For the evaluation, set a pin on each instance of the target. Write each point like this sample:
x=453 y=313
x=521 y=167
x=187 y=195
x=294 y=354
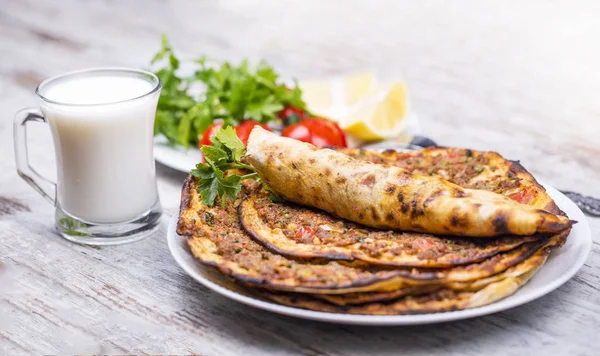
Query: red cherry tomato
x=291 y=115
x=327 y=131
x=319 y=132
x=290 y=110
x=245 y=127
x=210 y=132
x=299 y=132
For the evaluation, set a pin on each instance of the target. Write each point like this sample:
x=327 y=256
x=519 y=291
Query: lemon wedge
x=365 y=109
x=379 y=115
x=358 y=85
x=332 y=97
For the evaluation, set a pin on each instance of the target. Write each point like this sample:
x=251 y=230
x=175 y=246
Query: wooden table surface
x=521 y=78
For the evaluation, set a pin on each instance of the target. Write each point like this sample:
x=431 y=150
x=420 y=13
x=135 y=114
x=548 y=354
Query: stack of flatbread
x=369 y=232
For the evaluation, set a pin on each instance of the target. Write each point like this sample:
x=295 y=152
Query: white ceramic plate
x=175 y=157
x=562 y=264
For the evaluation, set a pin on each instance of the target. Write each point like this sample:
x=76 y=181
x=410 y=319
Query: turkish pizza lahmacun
x=299 y=231
x=309 y=258
x=294 y=230
x=388 y=197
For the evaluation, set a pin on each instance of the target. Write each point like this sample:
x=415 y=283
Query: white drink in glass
x=103 y=143
x=102 y=123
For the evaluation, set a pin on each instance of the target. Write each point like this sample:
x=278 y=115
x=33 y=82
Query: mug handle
x=43 y=185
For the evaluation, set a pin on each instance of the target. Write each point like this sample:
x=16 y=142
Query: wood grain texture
x=519 y=78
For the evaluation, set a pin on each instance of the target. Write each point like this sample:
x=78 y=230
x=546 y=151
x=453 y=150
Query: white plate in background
x=176 y=157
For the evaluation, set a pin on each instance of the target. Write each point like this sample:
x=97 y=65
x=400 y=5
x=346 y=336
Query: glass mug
x=102 y=123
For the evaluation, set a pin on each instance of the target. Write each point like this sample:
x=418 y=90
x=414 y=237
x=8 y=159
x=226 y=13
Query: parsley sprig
x=224 y=154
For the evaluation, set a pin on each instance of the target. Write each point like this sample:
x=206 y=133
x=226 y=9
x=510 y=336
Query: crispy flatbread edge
x=532 y=263
x=392 y=281
x=271 y=239
x=490 y=294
